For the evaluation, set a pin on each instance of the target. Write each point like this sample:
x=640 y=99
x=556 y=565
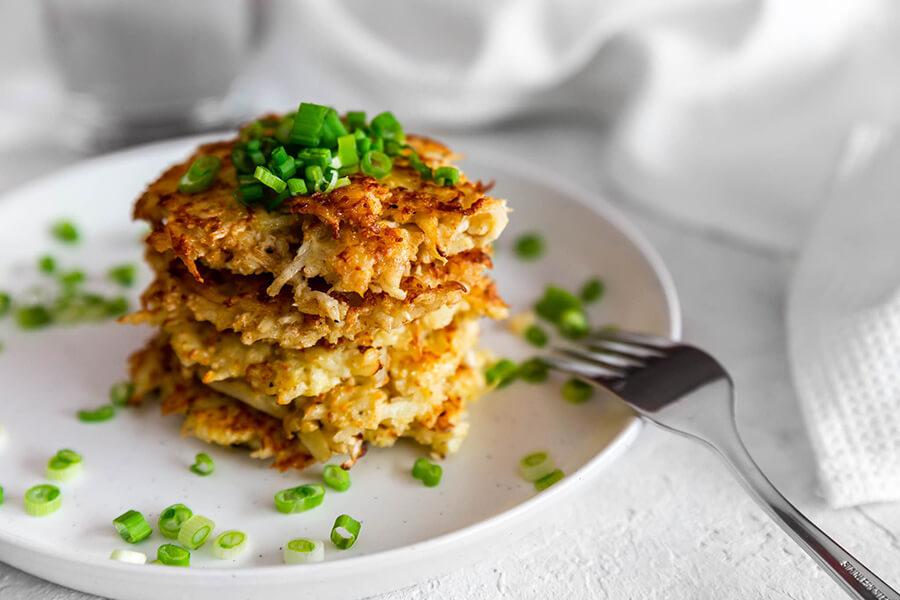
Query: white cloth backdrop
x=729 y=114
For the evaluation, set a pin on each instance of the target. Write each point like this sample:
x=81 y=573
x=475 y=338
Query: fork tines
x=610 y=355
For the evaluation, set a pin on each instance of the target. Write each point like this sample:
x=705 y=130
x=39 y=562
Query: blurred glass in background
x=136 y=71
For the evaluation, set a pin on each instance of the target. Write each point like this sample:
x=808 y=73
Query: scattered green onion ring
x=129 y=556
x=547 y=480
x=299 y=499
x=173 y=556
x=42 y=500
x=501 y=373
x=536 y=465
x=171 y=520
x=533 y=370
x=200 y=175
x=336 y=478
x=446 y=176
x=132 y=526
x=33 y=316
x=376 y=164
x=47 y=264
x=429 y=473
x=593 y=290
x=573 y=324
x=120 y=393
x=345 y=523
x=555 y=302
x=203 y=465
x=229 y=544
x=124 y=275
x=65 y=231
x=195 y=531
x=577 y=391
x=65 y=465
x=98 y=415
x=5 y=304
x=536 y=336
x=303 y=550
x=530 y=246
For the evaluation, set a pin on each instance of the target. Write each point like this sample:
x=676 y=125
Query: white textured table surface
x=667 y=521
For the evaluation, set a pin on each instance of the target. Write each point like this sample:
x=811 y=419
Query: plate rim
x=522 y=168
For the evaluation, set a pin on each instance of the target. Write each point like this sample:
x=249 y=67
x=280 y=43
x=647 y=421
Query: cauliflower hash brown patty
x=425 y=405
x=334 y=321
x=363 y=237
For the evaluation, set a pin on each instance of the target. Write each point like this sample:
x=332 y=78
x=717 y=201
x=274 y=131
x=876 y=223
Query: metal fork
x=686 y=391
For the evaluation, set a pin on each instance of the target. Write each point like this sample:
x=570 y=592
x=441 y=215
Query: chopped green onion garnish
x=200 y=175
x=129 y=556
x=1 y=494
x=303 y=550
x=336 y=478
x=346 y=151
x=446 y=176
x=47 y=264
x=320 y=157
x=536 y=336
x=269 y=179
x=120 y=393
x=555 y=302
x=297 y=187
x=195 y=531
x=593 y=290
x=64 y=466
x=386 y=126
x=203 y=465
x=533 y=370
x=356 y=119
x=34 y=316
x=328 y=181
x=5 y=304
x=65 y=231
x=341 y=182
x=229 y=544
x=248 y=194
x=536 y=465
x=530 y=246
x=429 y=473
x=376 y=164
x=241 y=160
x=252 y=131
x=345 y=531
x=501 y=373
x=313 y=174
x=171 y=520
x=104 y=413
x=547 y=480
x=124 y=275
x=284 y=128
x=132 y=526
x=280 y=155
x=173 y=556
x=299 y=499
x=286 y=169
x=577 y=391
x=332 y=129
x=573 y=323
x=42 y=500
x=308 y=123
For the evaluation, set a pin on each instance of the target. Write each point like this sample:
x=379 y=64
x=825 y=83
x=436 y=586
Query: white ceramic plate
x=138 y=460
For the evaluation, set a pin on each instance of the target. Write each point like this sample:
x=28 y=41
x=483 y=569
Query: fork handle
x=857 y=580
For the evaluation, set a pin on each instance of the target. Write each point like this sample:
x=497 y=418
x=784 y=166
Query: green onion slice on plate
x=336 y=478
x=300 y=498
x=132 y=526
x=536 y=465
x=42 y=500
x=195 y=531
x=171 y=520
x=203 y=465
x=229 y=544
x=345 y=532
x=429 y=473
x=303 y=550
x=129 y=556
x=173 y=556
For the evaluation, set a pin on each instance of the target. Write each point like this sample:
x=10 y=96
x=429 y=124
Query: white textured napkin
x=844 y=325
x=729 y=114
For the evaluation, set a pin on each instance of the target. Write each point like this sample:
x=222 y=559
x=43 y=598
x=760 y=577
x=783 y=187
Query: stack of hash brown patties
x=338 y=320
